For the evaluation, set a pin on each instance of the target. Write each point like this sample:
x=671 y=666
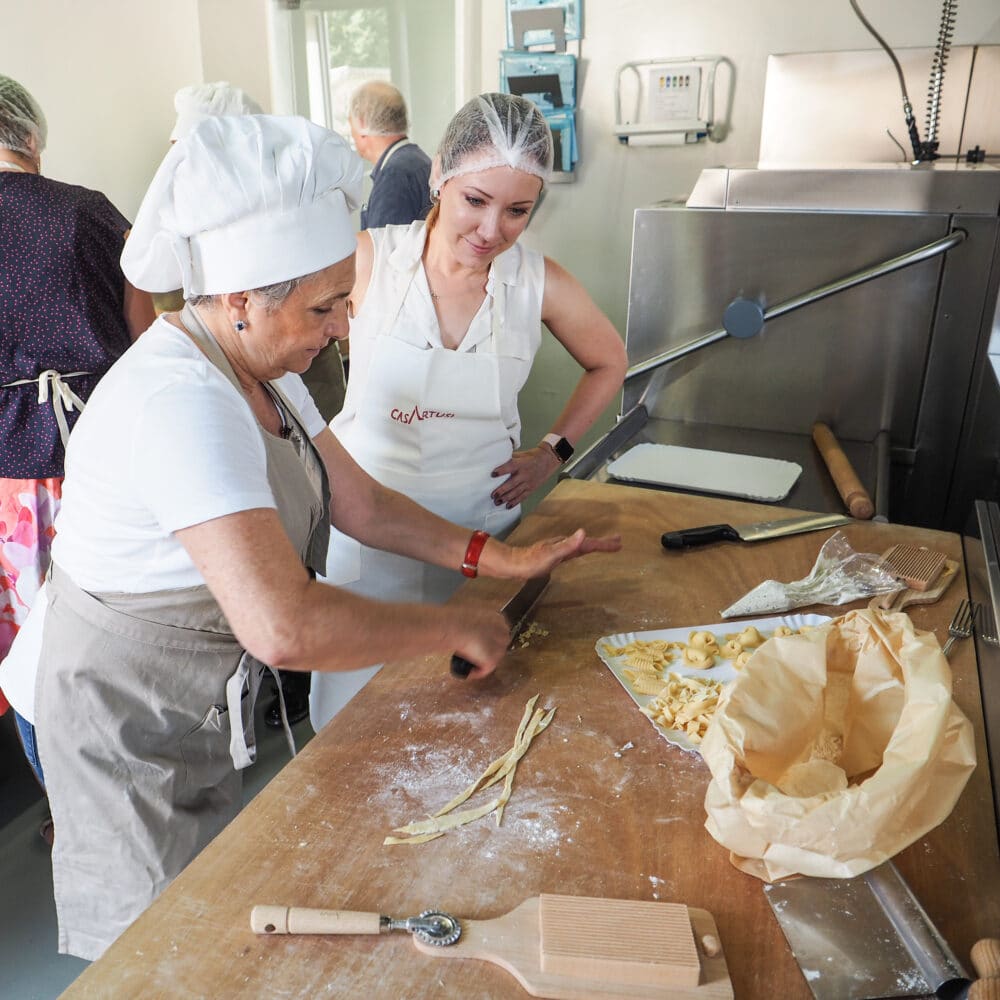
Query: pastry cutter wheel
x=431 y=927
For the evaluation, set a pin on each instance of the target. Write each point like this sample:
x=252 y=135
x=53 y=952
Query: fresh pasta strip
x=438 y=824
x=412 y=840
x=532 y=723
x=526 y=732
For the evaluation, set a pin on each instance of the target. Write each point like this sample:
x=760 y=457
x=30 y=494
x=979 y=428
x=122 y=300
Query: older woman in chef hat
x=447 y=318
x=197 y=503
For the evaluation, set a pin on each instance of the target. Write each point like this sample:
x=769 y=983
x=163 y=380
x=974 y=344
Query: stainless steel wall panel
x=942 y=186
x=855 y=360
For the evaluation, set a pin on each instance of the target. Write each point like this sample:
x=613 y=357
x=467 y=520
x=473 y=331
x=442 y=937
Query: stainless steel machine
x=863 y=297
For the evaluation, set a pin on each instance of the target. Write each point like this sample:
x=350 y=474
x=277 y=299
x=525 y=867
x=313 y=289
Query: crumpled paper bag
x=834 y=750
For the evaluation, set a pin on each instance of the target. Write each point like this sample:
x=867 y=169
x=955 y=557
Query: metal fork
x=962 y=624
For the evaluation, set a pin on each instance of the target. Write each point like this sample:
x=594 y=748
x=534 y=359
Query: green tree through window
x=358 y=37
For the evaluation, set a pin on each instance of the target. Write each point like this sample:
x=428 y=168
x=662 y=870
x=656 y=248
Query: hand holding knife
x=516 y=611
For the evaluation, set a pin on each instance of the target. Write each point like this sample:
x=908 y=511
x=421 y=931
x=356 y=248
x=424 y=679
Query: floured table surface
x=589 y=815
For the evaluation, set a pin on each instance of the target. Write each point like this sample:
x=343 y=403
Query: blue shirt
x=400 y=187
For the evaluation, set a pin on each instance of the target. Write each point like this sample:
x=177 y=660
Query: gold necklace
x=435 y=296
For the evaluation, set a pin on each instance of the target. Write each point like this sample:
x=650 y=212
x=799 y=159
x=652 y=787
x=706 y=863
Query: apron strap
x=51 y=384
x=242 y=739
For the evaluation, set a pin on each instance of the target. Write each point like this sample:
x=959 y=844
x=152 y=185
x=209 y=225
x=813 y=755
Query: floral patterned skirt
x=27 y=509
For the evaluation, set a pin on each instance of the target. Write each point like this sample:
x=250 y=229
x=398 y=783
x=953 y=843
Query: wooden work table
x=587 y=817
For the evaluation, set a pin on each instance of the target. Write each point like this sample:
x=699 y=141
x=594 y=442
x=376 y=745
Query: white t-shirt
x=165 y=442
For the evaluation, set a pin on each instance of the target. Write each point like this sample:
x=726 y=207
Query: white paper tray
x=725 y=473
x=723 y=670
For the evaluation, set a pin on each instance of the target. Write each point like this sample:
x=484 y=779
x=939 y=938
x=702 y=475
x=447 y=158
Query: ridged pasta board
x=581 y=948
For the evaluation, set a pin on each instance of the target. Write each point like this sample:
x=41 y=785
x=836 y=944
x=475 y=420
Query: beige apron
x=145 y=704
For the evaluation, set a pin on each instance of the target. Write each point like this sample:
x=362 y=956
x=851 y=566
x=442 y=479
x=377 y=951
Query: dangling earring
x=240 y=326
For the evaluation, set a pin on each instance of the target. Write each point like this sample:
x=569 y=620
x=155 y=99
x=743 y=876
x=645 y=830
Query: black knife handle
x=460 y=666
x=699 y=536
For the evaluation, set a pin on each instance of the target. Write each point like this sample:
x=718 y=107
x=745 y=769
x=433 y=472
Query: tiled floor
x=30 y=968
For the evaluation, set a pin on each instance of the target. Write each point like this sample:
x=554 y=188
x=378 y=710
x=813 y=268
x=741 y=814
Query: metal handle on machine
x=584 y=465
x=925 y=252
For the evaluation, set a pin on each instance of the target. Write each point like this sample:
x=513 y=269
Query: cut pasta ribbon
x=532 y=723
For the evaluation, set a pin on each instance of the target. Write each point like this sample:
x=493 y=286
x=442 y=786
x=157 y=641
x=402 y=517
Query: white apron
x=429 y=423
x=144 y=707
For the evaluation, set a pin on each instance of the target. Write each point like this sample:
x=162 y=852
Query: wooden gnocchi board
x=514 y=942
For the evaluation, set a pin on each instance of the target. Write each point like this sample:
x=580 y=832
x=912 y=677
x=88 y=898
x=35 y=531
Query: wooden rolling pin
x=986 y=961
x=852 y=492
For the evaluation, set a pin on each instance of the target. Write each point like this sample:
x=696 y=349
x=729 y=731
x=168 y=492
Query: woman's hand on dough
x=542 y=557
x=481 y=637
x=525 y=471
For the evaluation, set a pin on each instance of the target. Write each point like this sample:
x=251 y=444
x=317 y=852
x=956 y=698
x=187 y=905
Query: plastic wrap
x=840 y=575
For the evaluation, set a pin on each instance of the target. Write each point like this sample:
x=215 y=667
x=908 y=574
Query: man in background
x=401 y=169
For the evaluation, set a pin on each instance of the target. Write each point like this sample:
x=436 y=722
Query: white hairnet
x=22 y=125
x=495 y=130
x=244 y=202
x=380 y=108
x=209 y=100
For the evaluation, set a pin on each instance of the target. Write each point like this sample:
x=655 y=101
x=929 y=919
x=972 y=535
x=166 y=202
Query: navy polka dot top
x=61 y=297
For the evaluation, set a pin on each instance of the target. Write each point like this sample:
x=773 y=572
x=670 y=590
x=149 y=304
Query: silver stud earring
x=240 y=326
x=435 y=194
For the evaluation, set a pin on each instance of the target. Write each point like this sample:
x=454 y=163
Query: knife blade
x=516 y=611
x=759 y=532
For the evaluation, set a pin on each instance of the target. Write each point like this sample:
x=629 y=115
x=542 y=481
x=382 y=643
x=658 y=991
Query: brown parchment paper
x=834 y=750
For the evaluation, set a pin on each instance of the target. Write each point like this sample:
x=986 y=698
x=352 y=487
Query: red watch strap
x=470 y=564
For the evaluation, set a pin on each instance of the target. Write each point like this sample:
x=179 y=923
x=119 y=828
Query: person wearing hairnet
x=446 y=319
x=66 y=314
x=400 y=168
x=198 y=500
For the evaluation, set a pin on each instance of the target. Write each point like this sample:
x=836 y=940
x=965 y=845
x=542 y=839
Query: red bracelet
x=470 y=564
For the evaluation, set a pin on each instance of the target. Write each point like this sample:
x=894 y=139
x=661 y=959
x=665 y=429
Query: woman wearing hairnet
x=197 y=500
x=446 y=319
x=66 y=314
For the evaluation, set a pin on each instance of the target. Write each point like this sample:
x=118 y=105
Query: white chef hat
x=494 y=130
x=209 y=100
x=244 y=202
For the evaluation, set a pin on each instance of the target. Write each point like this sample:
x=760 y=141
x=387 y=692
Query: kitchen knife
x=758 y=532
x=516 y=611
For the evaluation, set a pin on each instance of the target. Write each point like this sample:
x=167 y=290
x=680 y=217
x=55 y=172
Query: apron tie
x=63 y=397
x=242 y=739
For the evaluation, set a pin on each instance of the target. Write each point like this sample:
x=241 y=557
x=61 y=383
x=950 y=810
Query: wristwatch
x=562 y=447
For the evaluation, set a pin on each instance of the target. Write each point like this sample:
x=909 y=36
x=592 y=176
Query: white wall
x=234 y=45
x=587 y=225
x=105 y=74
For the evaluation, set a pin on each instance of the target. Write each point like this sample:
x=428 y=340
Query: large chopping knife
x=759 y=532
x=516 y=611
